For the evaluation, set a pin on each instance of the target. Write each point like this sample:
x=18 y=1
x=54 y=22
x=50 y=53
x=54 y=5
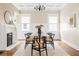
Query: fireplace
x=9 y=39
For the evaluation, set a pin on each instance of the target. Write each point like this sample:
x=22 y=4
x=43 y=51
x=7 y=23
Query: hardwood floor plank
x=10 y=52
x=71 y=51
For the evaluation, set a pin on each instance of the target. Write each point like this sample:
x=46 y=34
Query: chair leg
x=25 y=45
x=46 y=51
x=39 y=53
x=53 y=45
x=32 y=51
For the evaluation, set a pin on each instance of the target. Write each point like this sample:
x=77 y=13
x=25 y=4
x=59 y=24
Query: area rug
x=58 y=51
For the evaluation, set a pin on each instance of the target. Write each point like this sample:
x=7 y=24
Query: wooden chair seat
x=49 y=40
x=29 y=40
x=40 y=44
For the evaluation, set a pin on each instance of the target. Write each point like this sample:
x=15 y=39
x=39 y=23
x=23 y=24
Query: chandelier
x=39 y=7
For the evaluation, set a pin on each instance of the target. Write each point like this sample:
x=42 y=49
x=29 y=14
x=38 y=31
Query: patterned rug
x=51 y=52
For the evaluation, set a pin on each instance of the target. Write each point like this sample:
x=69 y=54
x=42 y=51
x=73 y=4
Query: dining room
x=39 y=29
x=35 y=16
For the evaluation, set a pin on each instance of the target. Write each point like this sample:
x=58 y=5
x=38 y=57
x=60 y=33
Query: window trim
x=52 y=23
x=28 y=28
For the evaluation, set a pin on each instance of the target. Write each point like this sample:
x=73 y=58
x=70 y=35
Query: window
x=25 y=23
x=52 y=23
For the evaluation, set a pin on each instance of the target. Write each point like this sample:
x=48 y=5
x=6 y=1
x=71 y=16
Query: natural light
x=25 y=23
x=52 y=23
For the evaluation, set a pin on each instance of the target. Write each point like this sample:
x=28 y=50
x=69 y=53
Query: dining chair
x=28 y=39
x=39 y=46
x=50 y=40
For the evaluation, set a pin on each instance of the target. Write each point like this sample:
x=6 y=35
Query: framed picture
x=72 y=20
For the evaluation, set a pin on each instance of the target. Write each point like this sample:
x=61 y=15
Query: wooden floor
x=9 y=53
x=71 y=51
x=67 y=48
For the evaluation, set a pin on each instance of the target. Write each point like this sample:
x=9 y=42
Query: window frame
x=27 y=26
x=52 y=23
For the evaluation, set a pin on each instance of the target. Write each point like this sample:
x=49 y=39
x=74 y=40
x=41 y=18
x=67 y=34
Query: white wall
x=36 y=18
x=70 y=34
x=3 y=8
x=68 y=12
x=5 y=28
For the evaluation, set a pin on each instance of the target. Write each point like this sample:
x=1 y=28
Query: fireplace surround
x=8 y=36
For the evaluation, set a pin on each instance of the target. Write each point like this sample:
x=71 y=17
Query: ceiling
x=30 y=6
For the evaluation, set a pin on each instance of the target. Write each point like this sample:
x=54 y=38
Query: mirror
x=8 y=17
